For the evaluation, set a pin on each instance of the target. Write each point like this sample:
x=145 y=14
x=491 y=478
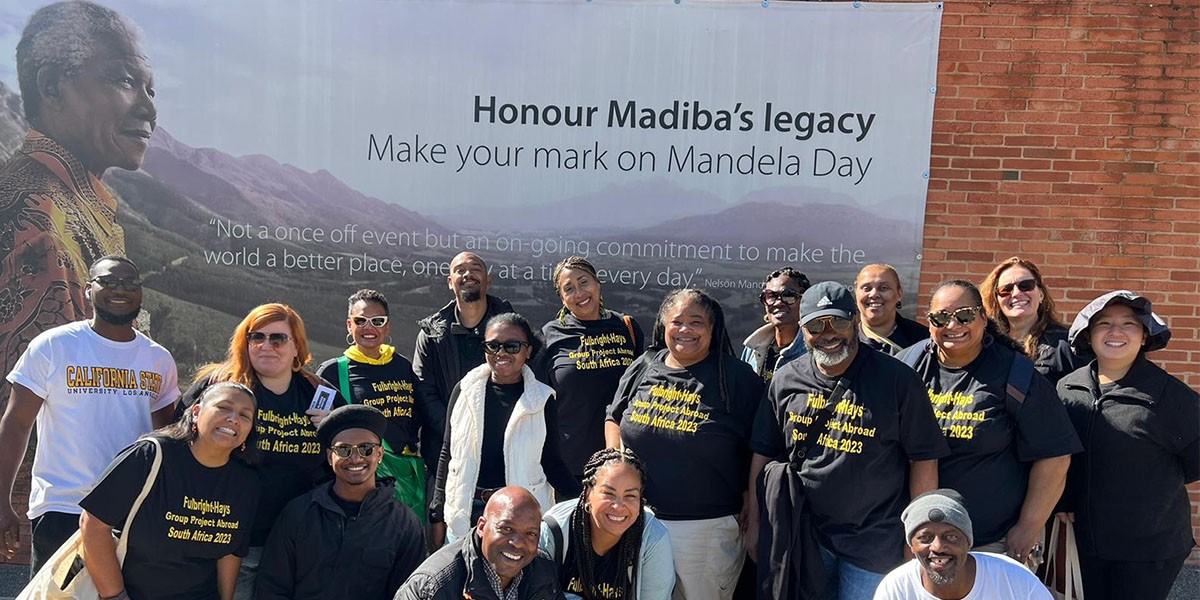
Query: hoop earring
x=899 y=304
x=388 y=341
x=766 y=318
x=296 y=364
x=349 y=339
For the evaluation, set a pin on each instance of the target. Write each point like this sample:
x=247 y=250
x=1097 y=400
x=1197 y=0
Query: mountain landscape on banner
x=170 y=211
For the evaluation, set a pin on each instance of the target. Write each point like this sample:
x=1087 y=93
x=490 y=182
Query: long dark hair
x=991 y=329
x=628 y=548
x=184 y=430
x=721 y=344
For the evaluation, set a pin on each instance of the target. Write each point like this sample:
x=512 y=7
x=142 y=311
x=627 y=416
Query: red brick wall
x=1067 y=132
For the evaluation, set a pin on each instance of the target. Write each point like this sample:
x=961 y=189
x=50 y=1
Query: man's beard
x=830 y=359
x=117 y=319
x=470 y=295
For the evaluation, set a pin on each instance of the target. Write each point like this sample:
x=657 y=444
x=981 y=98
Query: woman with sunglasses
x=687 y=408
x=879 y=294
x=606 y=543
x=1140 y=428
x=267 y=353
x=774 y=344
x=1009 y=450
x=587 y=349
x=1016 y=298
x=189 y=535
x=371 y=372
x=501 y=430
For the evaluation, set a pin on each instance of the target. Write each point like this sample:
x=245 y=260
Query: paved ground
x=13 y=578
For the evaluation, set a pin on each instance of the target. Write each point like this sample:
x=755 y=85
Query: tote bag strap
x=123 y=543
x=1073 y=574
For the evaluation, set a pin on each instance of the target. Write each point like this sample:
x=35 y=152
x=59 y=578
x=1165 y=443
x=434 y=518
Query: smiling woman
x=203 y=475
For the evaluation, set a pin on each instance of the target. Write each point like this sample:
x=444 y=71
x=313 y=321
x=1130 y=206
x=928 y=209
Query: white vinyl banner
x=308 y=149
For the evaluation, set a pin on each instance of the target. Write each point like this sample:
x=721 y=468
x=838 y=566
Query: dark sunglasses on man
x=366 y=450
x=788 y=297
x=376 y=322
x=510 y=347
x=965 y=316
x=817 y=326
x=276 y=340
x=112 y=282
x=1025 y=285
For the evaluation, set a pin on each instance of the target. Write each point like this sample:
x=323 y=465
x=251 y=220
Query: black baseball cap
x=827 y=299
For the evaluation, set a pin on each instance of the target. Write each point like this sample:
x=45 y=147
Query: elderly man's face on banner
x=104 y=114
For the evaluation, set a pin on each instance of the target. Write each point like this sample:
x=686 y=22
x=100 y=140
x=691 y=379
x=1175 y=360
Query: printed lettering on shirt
x=600 y=590
x=844 y=431
x=603 y=351
x=101 y=380
x=290 y=433
x=669 y=408
x=956 y=422
x=393 y=398
x=201 y=520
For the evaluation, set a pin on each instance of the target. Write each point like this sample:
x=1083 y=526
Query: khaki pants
x=708 y=557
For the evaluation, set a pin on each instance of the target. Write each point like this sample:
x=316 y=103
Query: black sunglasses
x=1025 y=285
x=376 y=322
x=112 y=282
x=510 y=347
x=965 y=316
x=788 y=297
x=366 y=450
x=276 y=339
x=817 y=326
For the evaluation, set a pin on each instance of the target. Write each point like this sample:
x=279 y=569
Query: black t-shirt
x=606 y=569
x=389 y=388
x=992 y=437
x=291 y=460
x=856 y=474
x=583 y=361
x=469 y=341
x=694 y=446
x=766 y=369
x=192 y=516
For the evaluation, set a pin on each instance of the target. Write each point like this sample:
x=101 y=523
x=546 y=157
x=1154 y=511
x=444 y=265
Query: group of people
x=681 y=470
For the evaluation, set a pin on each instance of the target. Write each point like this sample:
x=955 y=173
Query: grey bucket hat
x=1157 y=332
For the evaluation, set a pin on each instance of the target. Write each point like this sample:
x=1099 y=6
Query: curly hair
x=800 y=279
x=367 y=295
x=628 y=548
x=1047 y=314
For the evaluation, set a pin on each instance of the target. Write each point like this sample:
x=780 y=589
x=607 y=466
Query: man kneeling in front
x=938 y=530
x=498 y=561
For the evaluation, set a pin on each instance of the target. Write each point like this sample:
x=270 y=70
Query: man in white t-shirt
x=938 y=530
x=93 y=387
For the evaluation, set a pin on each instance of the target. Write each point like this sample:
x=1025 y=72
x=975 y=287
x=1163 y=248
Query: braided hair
x=573 y=262
x=721 y=344
x=628 y=548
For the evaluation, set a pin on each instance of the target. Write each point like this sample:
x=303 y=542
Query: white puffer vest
x=524 y=438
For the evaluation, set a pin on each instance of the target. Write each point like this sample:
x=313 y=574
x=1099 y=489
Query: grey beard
x=827 y=359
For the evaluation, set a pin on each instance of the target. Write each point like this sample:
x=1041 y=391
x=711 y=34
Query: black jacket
x=316 y=551
x=1141 y=446
x=437 y=369
x=1055 y=359
x=457 y=571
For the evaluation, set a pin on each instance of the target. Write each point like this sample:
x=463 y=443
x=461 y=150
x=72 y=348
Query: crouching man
x=498 y=561
x=938 y=530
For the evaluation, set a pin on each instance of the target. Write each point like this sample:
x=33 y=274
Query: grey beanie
x=939 y=506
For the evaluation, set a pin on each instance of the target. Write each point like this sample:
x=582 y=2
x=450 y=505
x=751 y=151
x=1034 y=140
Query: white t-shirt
x=997 y=577
x=98 y=396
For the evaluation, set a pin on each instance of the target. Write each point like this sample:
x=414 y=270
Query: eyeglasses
x=510 y=347
x=258 y=338
x=1025 y=285
x=366 y=450
x=376 y=322
x=110 y=282
x=817 y=326
x=788 y=297
x=965 y=316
